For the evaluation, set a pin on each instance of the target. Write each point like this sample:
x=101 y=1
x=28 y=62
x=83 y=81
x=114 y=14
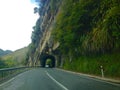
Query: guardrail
x=7 y=73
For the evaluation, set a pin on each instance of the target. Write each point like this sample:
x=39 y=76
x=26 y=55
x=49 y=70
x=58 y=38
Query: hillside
x=2 y=52
x=17 y=58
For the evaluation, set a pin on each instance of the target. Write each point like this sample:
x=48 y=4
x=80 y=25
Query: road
x=53 y=79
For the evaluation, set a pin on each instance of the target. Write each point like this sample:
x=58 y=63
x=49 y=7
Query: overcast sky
x=16 y=22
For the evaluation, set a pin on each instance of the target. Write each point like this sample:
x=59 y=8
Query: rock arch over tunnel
x=44 y=59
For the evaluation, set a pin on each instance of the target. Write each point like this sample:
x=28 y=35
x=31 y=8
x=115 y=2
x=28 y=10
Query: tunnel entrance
x=48 y=61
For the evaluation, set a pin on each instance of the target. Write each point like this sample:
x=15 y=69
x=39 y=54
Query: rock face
x=2 y=52
x=45 y=45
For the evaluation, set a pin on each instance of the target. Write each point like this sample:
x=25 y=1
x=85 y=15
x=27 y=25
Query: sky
x=16 y=21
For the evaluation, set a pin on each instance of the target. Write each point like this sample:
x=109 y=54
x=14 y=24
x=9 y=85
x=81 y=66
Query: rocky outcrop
x=46 y=22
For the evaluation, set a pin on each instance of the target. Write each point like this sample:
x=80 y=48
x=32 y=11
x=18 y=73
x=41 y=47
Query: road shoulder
x=93 y=76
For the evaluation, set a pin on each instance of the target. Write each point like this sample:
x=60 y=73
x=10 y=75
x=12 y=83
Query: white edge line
x=92 y=78
x=10 y=79
x=108 y=82
x=7 y=82
x=56 y=81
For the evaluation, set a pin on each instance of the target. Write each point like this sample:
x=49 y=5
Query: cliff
x=78 y=35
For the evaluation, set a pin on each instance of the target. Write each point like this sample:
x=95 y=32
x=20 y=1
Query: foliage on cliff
x=89 y=35
x=88 y=27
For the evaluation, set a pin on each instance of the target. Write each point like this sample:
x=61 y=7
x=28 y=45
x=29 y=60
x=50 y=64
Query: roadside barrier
x=7 y=73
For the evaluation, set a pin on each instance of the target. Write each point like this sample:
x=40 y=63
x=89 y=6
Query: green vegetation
x=6 y=63
x=15 y=59
x=49 y=62
x=36 y=34
x=88 y=27
x=2 y=63
x=89 y=35
x=91 y=65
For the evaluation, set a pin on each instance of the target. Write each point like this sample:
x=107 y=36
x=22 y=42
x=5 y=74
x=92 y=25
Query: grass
x=91 y=65
x=17 y=58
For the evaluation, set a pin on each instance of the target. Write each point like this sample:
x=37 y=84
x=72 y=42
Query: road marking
x=91 y=77
x=11 y=79
x=103 y=81
x=56 y=81
x=7 y=82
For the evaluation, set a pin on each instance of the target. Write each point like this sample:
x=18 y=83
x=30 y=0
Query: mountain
x=2 y=52
x=17 y=57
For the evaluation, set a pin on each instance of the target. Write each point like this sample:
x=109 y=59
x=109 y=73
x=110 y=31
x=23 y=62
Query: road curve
x=53 y=79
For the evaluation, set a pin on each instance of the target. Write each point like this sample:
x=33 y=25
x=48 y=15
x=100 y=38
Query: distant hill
x=17 y=56
x=2 y=52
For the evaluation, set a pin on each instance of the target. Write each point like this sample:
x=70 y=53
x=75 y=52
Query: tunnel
x=47 y=60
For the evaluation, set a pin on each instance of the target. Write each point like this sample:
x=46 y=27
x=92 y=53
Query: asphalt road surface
x=53 y=79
